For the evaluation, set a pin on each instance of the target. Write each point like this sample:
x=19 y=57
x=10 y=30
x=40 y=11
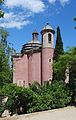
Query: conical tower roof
x=47 y=26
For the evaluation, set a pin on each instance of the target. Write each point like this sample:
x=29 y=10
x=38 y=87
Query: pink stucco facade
x=34 y=72
x=27 y=69
x=47 y=61
x=34 y=63
x=20 y=71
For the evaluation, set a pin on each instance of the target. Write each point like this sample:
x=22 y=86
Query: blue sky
x=22 y=17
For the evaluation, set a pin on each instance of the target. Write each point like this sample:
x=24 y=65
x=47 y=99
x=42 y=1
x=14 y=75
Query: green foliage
x=68 y=59
x=19 y=98
x=52 y=96
x=1 y=1
x=1 y=12
x=61 y=94
x=36 y=87
x=59 y=45
x=2 y=107
x=5 y=51
x=26 y=100
x=60 y=67
x=74 y=18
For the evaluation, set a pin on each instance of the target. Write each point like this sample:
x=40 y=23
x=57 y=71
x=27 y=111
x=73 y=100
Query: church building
x=34 y=63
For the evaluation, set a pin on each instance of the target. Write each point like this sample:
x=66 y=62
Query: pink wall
x=35 y=68
x=47 y=53
x=20 y=74
x=28 y=69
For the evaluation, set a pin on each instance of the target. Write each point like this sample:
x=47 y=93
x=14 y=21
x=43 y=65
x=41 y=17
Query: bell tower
x=47 y=52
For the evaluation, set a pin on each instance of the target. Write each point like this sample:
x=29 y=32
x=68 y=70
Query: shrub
x=36 y=98
x=61 y=94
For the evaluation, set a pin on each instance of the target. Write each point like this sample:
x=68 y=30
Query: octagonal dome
x=47 y=26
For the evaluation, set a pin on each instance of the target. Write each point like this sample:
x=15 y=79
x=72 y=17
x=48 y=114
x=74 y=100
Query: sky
x=22 y=17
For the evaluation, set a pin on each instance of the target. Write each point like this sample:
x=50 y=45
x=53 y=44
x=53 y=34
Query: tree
x=5 y=50
x=75 y=18
x=1 y=12
x=59 y=45
x=60 y=67
x=1 y=1
x=67 y=59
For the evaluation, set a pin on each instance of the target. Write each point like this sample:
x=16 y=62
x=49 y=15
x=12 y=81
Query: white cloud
x=52 y=1
x=16 y=19
x=12 y=20
x=34 y=6
x=63 y=2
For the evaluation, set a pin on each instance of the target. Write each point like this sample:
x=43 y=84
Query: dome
x=47 y=26
x=35 y=32
x=32 y=41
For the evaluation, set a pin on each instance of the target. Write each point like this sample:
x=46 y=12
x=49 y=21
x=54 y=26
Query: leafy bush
x=53 y=96
x=68 y=59
x=61 y=94
x=19 y=98
x=36 y=98
x=2 y=107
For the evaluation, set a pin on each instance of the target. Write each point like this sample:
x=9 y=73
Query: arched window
x=50 y=60
x=49 y=38
x=42 y=38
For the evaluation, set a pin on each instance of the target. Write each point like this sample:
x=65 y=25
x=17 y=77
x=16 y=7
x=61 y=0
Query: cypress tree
x=59 y=45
